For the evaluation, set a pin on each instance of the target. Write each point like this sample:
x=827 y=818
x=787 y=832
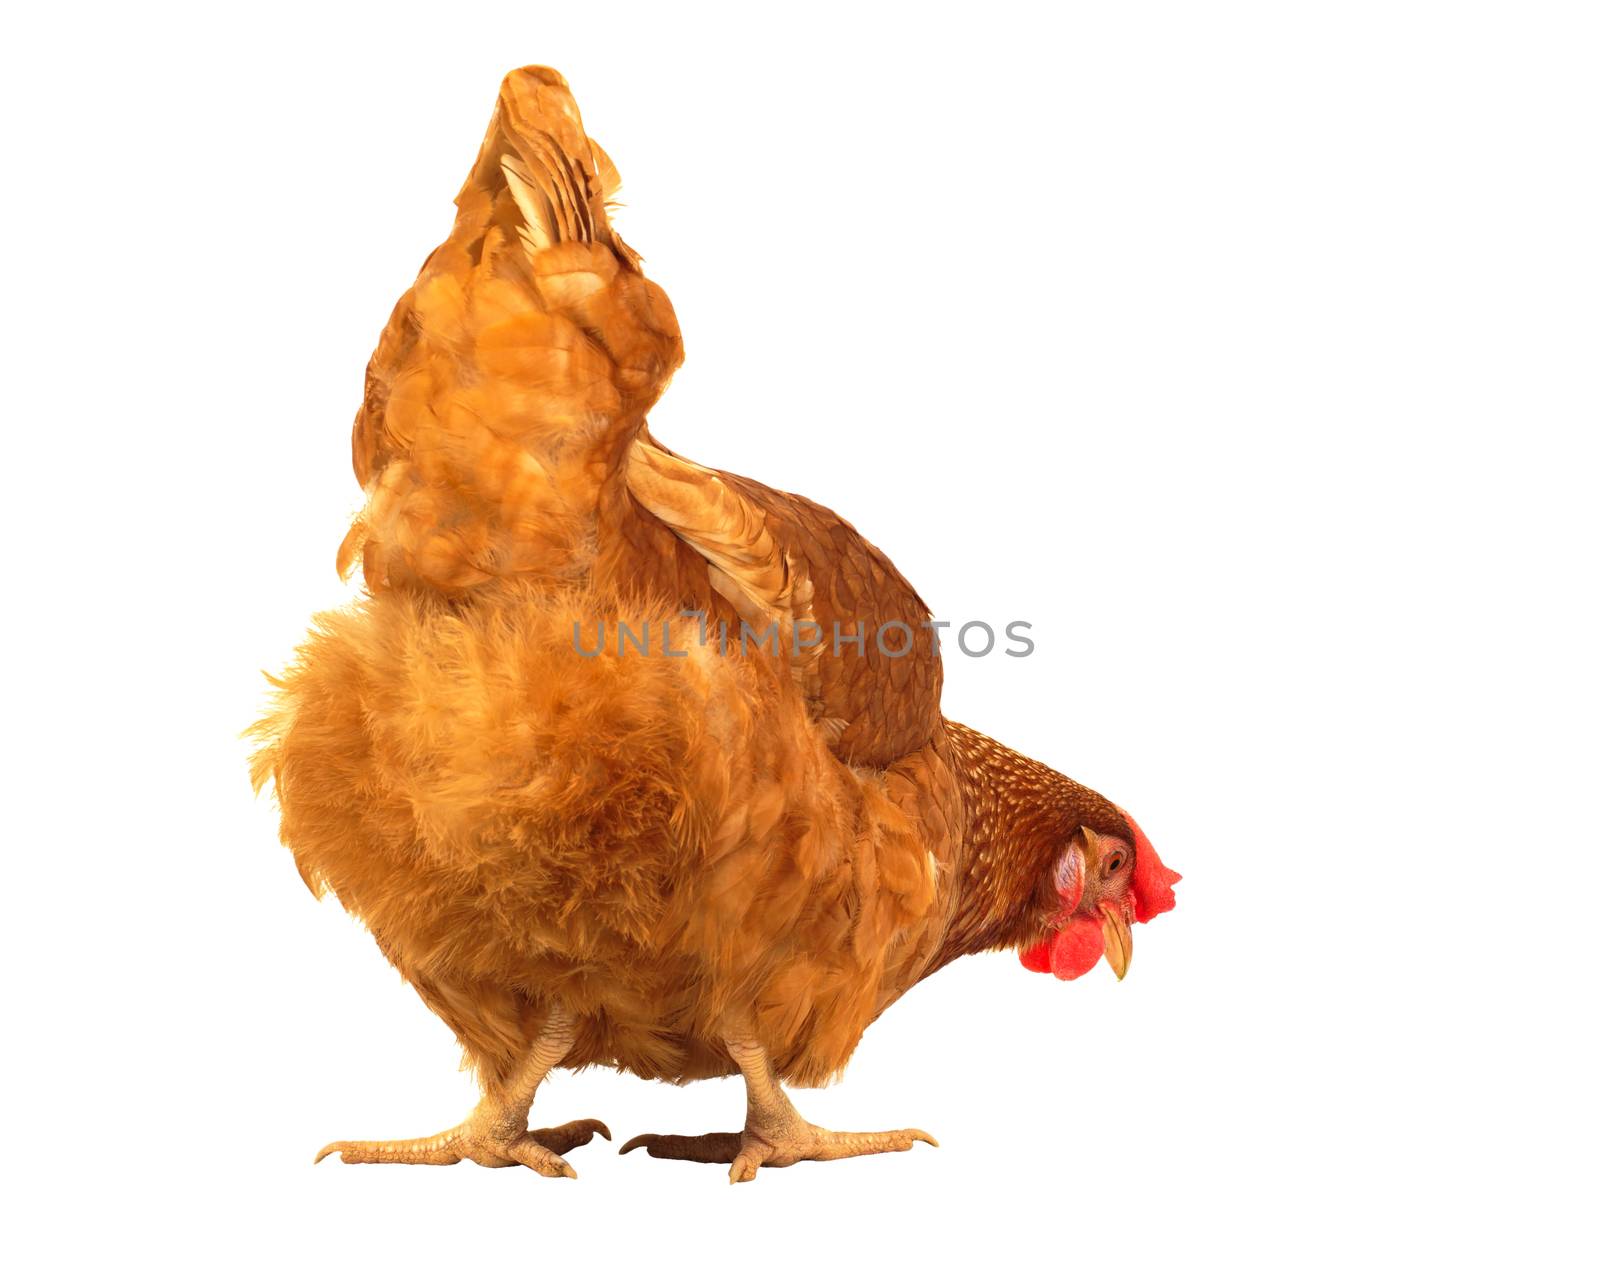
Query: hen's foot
x=776 y=1145
x=487 y=1146
x=774 y=1133
x=496 y=1133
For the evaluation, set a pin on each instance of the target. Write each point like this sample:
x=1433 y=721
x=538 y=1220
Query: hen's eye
x=1114 y=865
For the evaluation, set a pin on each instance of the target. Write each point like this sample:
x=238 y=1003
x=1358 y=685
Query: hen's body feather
x=660 y=842
x=664 y=847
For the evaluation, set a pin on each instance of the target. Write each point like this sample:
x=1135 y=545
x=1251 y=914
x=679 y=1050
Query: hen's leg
x=774 y=1133
x=496 y=1133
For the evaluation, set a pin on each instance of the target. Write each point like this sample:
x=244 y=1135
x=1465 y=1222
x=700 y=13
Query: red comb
x=1152 y=879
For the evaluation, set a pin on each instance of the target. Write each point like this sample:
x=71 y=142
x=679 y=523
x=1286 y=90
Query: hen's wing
x=854 y=631
x=515 y=373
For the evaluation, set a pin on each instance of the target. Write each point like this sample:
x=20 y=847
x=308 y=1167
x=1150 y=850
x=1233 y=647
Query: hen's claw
x=570 y=1135
x=538 y=1150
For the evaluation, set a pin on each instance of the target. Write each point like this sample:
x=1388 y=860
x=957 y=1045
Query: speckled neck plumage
x=1020 y=814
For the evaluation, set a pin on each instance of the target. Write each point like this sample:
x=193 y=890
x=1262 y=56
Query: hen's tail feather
x=545 y=161
x=516 y=371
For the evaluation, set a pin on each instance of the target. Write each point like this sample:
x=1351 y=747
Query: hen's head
x=1104 y=884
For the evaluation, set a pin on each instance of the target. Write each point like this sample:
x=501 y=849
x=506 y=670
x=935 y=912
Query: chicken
x=626 y=761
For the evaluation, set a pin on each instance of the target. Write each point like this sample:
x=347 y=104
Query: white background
x=1248 y=350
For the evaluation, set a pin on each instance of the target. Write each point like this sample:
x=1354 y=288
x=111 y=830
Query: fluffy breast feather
x=665 y=844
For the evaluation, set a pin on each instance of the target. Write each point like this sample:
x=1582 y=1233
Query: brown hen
x=588 y=828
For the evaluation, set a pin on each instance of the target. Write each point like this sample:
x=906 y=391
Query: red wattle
x=1077 y=947
x=1070 y=952
x=1037 y=957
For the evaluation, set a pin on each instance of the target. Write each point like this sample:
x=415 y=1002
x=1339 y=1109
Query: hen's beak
x=1118 y=937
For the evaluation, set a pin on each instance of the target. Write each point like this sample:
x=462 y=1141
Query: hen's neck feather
x=1020 y=814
